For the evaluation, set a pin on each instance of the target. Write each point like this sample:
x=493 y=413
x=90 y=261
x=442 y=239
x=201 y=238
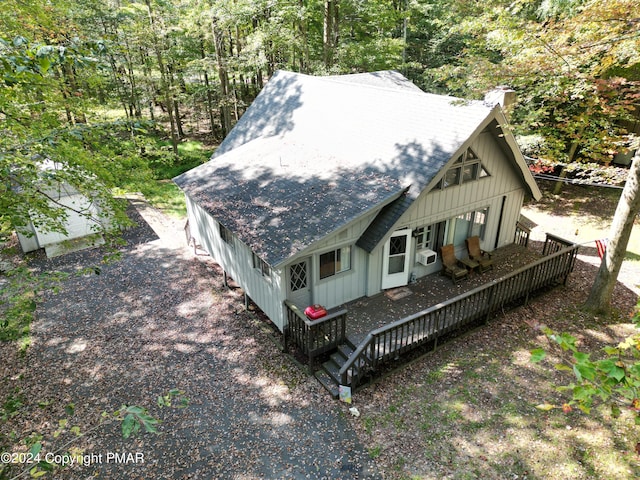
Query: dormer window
x=466 y=168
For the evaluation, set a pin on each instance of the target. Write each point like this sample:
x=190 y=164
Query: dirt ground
x=160 y=319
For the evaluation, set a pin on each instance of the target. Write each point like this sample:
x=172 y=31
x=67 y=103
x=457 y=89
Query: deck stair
x=329 y=373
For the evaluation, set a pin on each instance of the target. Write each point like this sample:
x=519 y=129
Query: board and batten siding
x=237 y=261
x=345 y=286
x=436 y=206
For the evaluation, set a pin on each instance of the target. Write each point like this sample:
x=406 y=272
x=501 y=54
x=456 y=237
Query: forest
x=127 y=92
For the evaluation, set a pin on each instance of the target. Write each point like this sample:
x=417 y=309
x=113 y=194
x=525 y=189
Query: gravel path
x=160 y=319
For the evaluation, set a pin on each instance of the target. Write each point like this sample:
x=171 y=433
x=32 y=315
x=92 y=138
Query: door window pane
x=479 y=223
x=461 y=229
x=298 y=276
x=396 y=264
x=398 y=245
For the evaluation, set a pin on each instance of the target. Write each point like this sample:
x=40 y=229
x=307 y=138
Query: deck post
x=529 y=282
x=285 y=337
x=490 y=295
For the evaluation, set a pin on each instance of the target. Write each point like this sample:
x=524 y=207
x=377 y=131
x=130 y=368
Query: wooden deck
x=362 y=336
x=367 y=314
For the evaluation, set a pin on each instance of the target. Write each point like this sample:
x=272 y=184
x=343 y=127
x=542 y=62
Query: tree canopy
x=81 y=79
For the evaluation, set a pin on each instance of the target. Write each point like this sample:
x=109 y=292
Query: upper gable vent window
x=466 y=168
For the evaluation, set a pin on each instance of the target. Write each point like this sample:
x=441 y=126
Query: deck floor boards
x=368 y=313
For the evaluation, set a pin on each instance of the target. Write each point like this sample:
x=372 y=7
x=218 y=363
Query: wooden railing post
x=529 y=283
x=522 y=235
x=316 y=337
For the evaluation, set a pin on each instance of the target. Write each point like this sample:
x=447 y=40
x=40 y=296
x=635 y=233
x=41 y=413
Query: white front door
x=395 y=262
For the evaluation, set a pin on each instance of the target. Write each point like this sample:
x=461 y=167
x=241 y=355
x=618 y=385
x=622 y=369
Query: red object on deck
x=315 y=312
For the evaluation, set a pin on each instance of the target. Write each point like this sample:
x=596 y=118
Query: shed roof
x=312 y=154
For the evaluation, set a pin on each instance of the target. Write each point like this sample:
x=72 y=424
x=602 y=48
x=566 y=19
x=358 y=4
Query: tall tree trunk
x=330 y=32
x=134 y=100
x=148 y=82
x=163 y=79
x=570 y=158
x=628 y=208
x=304 y=38
x=178 y=118
x=171 y=73
x=225 y=111
x=207 y=85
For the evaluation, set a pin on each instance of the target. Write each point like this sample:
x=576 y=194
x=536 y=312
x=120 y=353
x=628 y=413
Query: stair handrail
x=376 y=332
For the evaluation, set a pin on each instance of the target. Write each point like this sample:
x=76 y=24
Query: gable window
x=262 y=266
x=335 y=261
x=451 y=178
x=466 y=168
x=225 y=234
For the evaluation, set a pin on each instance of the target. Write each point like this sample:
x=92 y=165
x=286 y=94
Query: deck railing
x=553 y=243
x=522 y=235
x=390 y=341
x=315 y=337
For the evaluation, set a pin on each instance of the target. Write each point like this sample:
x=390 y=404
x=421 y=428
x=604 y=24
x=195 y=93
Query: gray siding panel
x=439 y=205
x=343 y=287
x=346 y=286
x=237 y=261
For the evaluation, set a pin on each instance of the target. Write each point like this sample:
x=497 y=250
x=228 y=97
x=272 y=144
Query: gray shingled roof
x=385 y=219
x=312 y=154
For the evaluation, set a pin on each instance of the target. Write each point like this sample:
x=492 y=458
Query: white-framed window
x=225 y=234
x=262 y=266
x=423 y=237
x=467 y=168
x=335 y=261
x=469 y=224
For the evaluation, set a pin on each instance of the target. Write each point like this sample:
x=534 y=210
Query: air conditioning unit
x=426 y=257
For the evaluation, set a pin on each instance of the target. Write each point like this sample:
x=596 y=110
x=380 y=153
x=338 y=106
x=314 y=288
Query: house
x=333 y=188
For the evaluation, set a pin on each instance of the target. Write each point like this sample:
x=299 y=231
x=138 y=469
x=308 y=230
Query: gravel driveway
x=160 y=319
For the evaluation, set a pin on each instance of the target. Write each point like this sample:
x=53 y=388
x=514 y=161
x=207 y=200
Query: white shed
x=84 y=222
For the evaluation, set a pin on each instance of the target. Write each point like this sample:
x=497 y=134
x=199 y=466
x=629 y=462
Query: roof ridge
x=340 y=79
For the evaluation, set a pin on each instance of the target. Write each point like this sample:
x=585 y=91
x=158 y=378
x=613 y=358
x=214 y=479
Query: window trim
x=335 y=273
x=423 y=236
x=262 y=267
x=225 y=234
x=457 y=169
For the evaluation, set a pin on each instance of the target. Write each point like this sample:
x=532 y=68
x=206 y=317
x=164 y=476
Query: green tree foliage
x=573 y=63
x=612 y=379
